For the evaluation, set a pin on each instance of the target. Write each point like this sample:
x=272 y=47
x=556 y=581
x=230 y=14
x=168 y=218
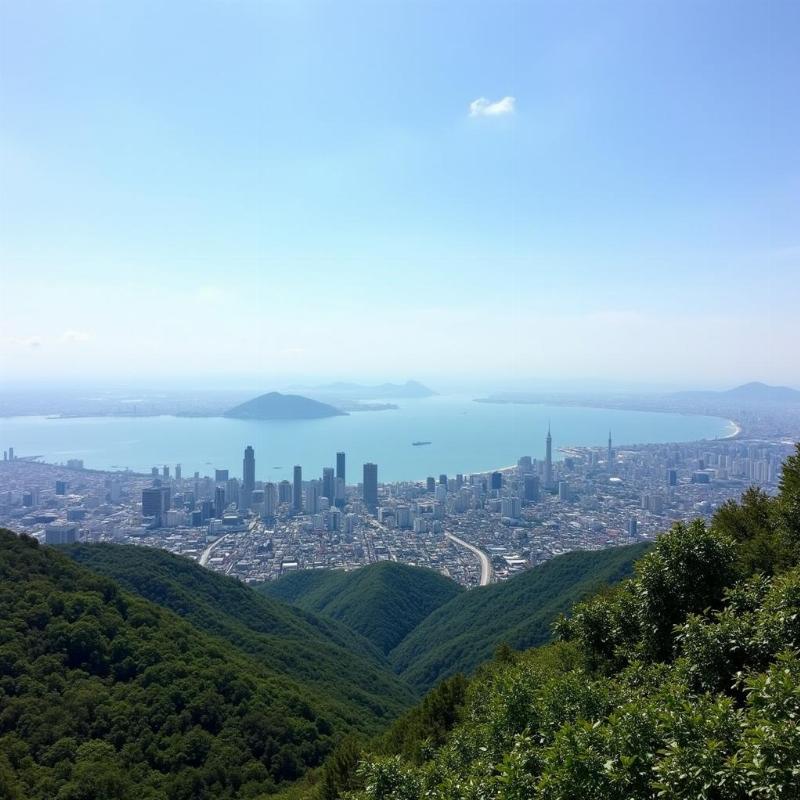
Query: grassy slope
x=321 y=653
x=461 y=634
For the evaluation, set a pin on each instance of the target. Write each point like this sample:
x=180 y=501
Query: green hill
x=104 y=694
x=384 y=602
x=464 y=632
x=320 y=652
x=682 y=682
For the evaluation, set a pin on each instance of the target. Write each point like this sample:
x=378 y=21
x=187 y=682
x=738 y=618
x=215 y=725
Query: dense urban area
x=475 y=528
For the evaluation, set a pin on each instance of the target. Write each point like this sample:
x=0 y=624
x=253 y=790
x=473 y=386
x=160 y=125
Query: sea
x=464 y=437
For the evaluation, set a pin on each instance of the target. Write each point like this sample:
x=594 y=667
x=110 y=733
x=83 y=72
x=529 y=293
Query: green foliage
x=464 y=632
x=682 y=683
x=383 y=602
x=325 y=656
x=762 y=544
x=687 y=572
x=104 y=694
x=425 y=727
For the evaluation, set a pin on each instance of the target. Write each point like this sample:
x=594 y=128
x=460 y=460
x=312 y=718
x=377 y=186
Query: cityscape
x=475 y=529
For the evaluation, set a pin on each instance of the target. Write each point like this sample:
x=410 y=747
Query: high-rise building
x=248 y=478
x=297 y=489
x=60 y=533
x=177 y=472
x=284 y=492
x=155 y=502
x=610 y=454
x=632 y=527
x=232 y=491
x=672 y=477
x=371 y=486
x=165 y=472
x=312 y=497
x=340 y=466
x=220 y=475
x=497 y=481
x=61 y=487
x=328 y=488
x=340 y=493
x=548 y=461
x=219 y=501
x=531 y=488
x=430 y=484
x=270 y=500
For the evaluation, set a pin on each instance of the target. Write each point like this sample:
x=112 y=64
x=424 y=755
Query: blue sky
x=277 y=190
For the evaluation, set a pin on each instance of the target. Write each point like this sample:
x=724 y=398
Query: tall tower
x=297 y=489
x=248 y=477
x=371 y=486
x=340 y=472
x=610 y=456
x=328 y=484
x=548 y=460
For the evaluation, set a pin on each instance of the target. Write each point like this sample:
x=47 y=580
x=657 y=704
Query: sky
x=568 y=192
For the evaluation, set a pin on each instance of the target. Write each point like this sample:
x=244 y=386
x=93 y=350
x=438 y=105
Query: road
x=206 y=554
x=486 y=565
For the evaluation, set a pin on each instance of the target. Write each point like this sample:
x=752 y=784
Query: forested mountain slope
x=682 y=683
x=383 y=601
x=314 y=650
x=464 y=632
x=106 y=695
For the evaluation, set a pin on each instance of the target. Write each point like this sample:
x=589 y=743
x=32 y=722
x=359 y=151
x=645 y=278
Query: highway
x=206 y=554
x=486 y=565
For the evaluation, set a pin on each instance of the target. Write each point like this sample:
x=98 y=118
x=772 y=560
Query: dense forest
x=322 y=654
x=106 y=695
x=383 y=601
x=682 y=682
x=464 y=632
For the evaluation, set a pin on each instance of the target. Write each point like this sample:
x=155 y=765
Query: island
x=275 y=405
x=391 y=391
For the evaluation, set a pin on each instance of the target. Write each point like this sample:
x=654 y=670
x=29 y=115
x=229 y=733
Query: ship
x=418 y=444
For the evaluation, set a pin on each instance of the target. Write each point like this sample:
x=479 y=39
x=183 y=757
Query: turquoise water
x=465 y=437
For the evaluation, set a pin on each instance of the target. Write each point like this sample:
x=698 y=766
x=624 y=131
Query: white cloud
x=486 y=108
x=75 y=337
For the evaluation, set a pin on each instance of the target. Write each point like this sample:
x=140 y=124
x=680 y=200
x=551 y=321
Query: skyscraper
x=219 y=501
x=340 y=471
x=548 y=461
x=371 y=486
x=610 y=456
x=328 y=489
x=297 y=489
x=248 y=477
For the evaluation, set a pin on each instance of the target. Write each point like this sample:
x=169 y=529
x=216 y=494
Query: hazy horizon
x=464 y=193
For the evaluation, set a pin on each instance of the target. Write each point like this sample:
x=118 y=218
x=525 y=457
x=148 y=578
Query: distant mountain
x=464 y=632
x=275 y=405
x=756 y=391
x=383 y=602
x=407 y=390
x=107 y=694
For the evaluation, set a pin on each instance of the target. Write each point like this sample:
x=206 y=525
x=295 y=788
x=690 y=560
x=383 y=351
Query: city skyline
x=494 y=191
